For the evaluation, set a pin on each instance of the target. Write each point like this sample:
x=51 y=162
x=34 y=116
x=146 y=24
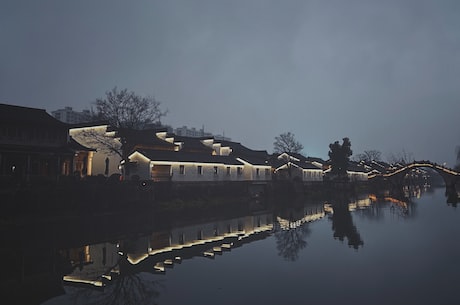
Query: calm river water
x=345 y=249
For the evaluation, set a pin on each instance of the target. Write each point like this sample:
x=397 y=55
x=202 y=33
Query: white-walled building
x=180 y=166
x=104 y=162
x=296 y=167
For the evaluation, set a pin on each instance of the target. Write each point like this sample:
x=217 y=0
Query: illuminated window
x=181 y=169
x=199 y=170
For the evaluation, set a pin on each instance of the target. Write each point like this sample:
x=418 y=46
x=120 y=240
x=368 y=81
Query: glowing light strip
x=192 y=163
x=414 y=165
x=88 y=127
x=72 y=279
x=286 y=224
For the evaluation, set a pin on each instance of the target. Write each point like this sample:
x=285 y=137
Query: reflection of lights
x=159 y=267
x=359 y=204
x=136 y=258
x=71 y=279
x=208 y=254
x=328 y=208
x=287 y=225
x=217 y=249
x=226 y=246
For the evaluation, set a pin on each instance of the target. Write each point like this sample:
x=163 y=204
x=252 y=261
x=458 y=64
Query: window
x=228 y=170
x=199 y=170
x=239 y=171
x=181 y=169
x=267 y=172
x=257 y=172
x=215 y=170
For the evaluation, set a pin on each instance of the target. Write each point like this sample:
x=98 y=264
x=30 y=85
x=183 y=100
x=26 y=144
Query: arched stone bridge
x=450 y=176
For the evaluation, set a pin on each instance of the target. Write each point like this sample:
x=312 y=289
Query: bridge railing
x=422 y=163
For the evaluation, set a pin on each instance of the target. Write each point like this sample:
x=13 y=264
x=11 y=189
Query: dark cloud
x=384 y=73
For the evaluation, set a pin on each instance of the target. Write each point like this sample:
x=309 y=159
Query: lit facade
x=103 y=161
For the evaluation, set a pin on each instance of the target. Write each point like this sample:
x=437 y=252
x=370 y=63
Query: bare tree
x=458 y=153
x=101 y=138
x=126 y=109
x=286 y=142
x=121 y=111
x=369 y=155
x=457 y=166
x=403 y=157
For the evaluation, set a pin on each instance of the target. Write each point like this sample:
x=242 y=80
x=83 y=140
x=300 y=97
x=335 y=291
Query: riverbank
x=70 y=200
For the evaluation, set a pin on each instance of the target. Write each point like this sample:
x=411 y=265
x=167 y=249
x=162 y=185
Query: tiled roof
x=192 y=144
x=26 y=115
x=144 y=137
x=254 y=157
x=181 y=156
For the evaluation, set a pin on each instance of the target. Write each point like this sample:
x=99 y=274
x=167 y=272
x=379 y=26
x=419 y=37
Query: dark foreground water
x=339 y=250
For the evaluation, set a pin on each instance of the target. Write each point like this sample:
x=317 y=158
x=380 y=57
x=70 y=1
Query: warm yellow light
x=72 y=279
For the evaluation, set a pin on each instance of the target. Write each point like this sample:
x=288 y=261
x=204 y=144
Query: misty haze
x=203 y=152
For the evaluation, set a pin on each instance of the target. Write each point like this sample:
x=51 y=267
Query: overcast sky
x=386 y=74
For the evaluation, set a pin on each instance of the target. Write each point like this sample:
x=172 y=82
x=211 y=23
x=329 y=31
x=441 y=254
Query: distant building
x=198 y=133
x=70 y=116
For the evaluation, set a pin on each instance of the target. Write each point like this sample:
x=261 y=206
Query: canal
x=349 y=249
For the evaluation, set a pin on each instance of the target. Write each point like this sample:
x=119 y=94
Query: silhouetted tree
x=340 y=156
x=126 y=109
x=286 y=142
x=369 y=155
x=121 y=110
x=457 y=166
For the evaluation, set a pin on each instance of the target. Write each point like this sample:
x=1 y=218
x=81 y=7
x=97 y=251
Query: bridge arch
x=451 y=177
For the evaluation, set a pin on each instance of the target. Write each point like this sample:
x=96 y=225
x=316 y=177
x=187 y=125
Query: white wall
x=357 y=176
x=98 y=166
x=310 y=175
x=141 y=169
x=208 y=172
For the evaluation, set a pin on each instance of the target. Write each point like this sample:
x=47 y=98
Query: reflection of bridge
x=450 y=176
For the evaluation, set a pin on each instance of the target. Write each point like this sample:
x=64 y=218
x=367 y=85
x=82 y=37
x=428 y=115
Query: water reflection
x=343 y=227
x=291 y=229
x=127 y=286
x=289 y=242
x=128 y=268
